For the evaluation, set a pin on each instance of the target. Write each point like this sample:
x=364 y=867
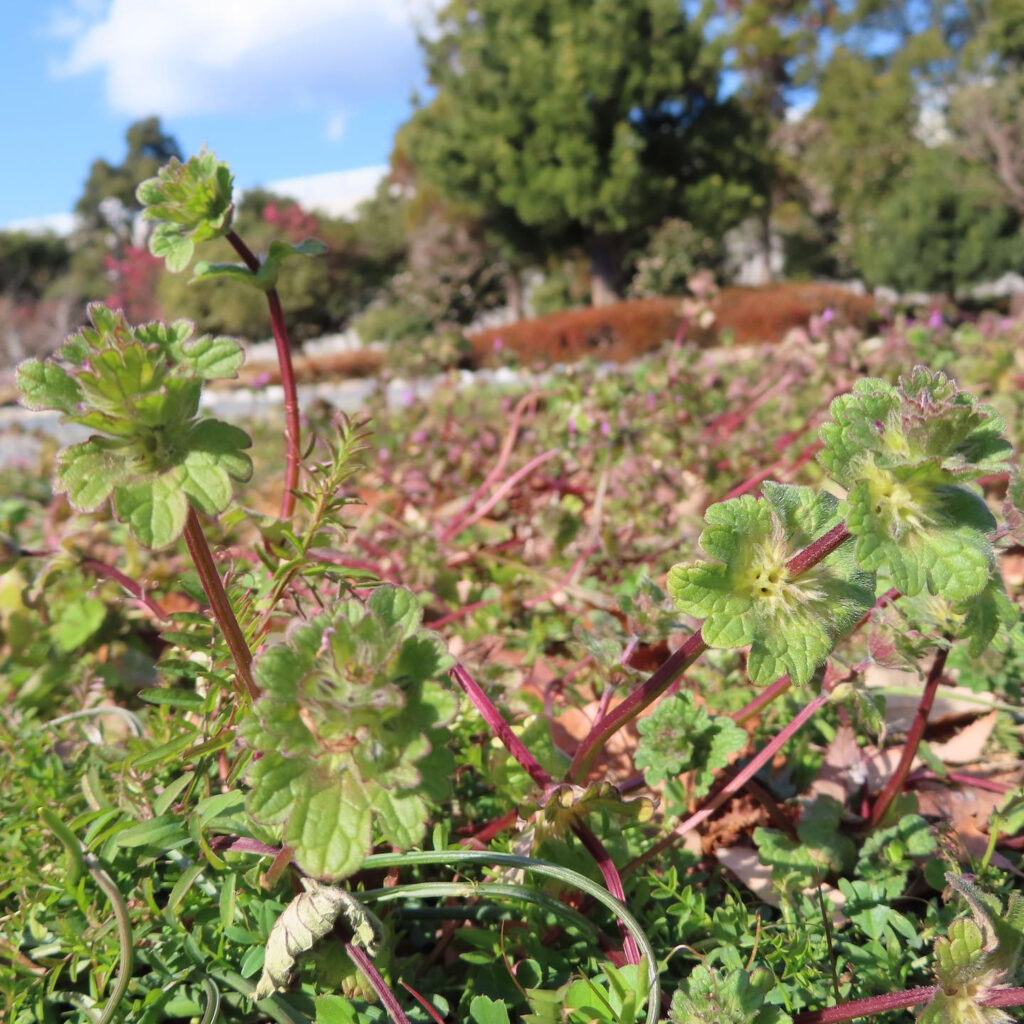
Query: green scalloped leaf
x=192 y=203
x=748 y=597
x=680 y=736
x=710 y=997
x=141 y=388
x=350 y=722
x=45 y=386
x=155 y=509
x=908 y=454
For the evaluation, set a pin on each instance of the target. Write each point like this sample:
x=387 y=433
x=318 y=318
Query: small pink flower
x=572 y=424
x=498 y=344
x=383 y=454
x=419 y=437
x=935 y=320
x=828 y=316
x=606 y=429
x=652 y=401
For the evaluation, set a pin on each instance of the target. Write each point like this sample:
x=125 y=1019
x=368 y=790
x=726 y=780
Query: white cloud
x=337 y=193
x=59 y=223
x=182 y=57
x=334 y=131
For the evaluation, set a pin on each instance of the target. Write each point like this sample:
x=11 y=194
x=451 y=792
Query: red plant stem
x=463 y=523
x=643 y=696
x=491 y=829
x=292 y=430
x=677 y=663
x=762 y=700
x=493 y=717
x=362 y=960
x=612 y=882
x=866 y=1007
x=219 y=603
x=133 y=588
x=94 y=565
x=960 y=779
x=455 y=526
x=806 y=454
x=459 y=613
x=917 y=727
x=434 y=1015
x=756 y=763
x=898 y=1001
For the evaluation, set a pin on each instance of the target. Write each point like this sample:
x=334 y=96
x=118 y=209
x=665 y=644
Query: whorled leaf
x=749 y=597
x=979 y=954
x=350 y=726
x=908 y=454
x=139 y=390
x=192 y=202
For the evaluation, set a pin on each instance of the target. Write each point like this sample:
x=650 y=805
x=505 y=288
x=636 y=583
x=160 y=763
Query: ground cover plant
x=544 y=704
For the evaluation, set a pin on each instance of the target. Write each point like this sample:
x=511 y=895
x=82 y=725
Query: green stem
x=202 y=557
x=541 y=867
x=124 y=935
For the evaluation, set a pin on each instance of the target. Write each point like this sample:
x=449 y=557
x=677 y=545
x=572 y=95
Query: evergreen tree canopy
x=583 y=121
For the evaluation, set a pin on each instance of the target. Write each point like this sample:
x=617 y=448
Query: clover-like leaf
x=192 y=203
x=680 y=736
x=908 y=455
x=350 y=726
x=139 y=390
x=749 y=596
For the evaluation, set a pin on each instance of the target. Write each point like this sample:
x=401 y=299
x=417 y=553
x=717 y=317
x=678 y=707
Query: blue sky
x=278 y=88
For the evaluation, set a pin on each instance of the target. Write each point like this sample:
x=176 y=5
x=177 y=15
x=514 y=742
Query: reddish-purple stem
x=462 y=523
x=644 y=695
x=292 y=429
x=455 y=527
x=898 y=1001
x=199 y=549
x=362 y=960
x=677 y=663
x=612 y=882
x=917 y=727
x=493 y=717
x=757 y=762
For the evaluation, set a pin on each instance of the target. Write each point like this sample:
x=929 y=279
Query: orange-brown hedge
x=627 y=329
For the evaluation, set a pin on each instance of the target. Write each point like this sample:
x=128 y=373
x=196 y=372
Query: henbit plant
x=345 y=739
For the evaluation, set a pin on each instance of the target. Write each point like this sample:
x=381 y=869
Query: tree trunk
x=514 y=295
x=605 y=271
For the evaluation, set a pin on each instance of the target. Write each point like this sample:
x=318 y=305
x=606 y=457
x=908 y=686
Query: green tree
x=576 y=122
x=941 y=226
x=149 y=148
x=30 y=263
x=320 y=293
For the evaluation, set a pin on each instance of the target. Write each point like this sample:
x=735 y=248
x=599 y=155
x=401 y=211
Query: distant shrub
x=617 y=332
x=752 y=315
x=675 y=251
